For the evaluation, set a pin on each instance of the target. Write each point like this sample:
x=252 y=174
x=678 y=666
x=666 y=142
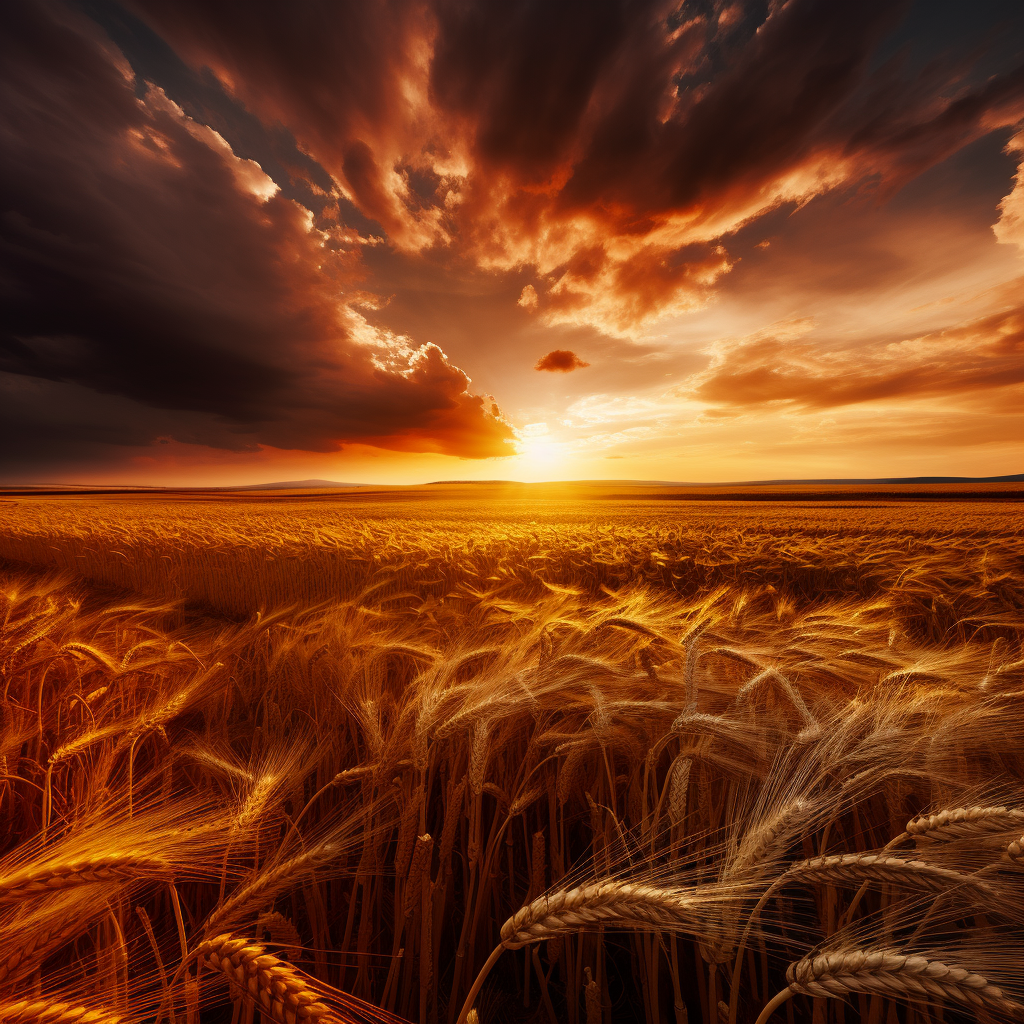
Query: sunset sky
x=399 y=241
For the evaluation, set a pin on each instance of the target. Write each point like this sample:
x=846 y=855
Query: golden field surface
x=511 y=754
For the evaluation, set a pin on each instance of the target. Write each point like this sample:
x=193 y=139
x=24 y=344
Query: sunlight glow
x=539 y=454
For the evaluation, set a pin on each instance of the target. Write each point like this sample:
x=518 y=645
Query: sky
x=395 y=241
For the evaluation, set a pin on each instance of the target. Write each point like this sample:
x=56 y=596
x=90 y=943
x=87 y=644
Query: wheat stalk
x=452 y=817
x=769 y=837
x=80 y=743
x=419 y=872
x=593 y=997
x=478 y=757
x=269 y=882
x=538 y=866
x=610 y=903
x=865 y=867
x=283 y=933
x=678 y=787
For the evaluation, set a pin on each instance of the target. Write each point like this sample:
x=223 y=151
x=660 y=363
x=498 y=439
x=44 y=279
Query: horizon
x=700 y=240
x=320 y=484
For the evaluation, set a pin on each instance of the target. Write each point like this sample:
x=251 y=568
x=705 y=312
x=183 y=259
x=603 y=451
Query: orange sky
x=409 y=241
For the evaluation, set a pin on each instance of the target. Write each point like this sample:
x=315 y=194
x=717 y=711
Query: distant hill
x=285 y=485
x=539 y=483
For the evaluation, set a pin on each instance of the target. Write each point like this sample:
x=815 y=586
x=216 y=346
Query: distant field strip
x=236 y=557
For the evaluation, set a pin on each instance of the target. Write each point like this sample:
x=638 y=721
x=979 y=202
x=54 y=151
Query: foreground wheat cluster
x=331 y=761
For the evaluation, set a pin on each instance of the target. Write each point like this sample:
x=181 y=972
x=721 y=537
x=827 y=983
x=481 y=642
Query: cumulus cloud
x=560 y=361
x=144 y=261
x=623 y=293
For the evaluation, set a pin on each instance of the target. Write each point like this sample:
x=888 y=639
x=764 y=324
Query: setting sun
x=539 y=455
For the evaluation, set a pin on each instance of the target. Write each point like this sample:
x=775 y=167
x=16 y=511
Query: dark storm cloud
x=204 y=98
x=681 y=128
x=653 y=120
x=524 y=73
x=337 y=74
x=142 y=259
x=560 y=360
x=58 y=426
x=763 y=114
x=620 y=135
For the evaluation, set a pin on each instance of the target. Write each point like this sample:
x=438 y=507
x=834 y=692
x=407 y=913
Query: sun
x=539 y=453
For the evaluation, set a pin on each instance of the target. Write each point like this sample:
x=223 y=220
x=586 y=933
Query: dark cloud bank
x=156 y=284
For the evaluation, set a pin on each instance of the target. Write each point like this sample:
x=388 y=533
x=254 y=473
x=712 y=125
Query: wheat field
x=505 y=758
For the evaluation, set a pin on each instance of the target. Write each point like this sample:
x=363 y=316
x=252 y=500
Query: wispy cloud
x=780 y=367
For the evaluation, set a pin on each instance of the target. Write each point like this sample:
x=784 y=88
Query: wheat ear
x=769 y=838
x=271 y=983
x=856 y=867
x=267 y=883
x=45 y=1011
x=888 y=973
x=965 y=822
x=1015 y=851
x=611 y=902
x=37 y=947
x=117 y=867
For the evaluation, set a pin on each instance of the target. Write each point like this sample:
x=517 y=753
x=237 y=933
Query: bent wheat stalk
x=611 y=903
x=889 y=973
x=859 y=867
